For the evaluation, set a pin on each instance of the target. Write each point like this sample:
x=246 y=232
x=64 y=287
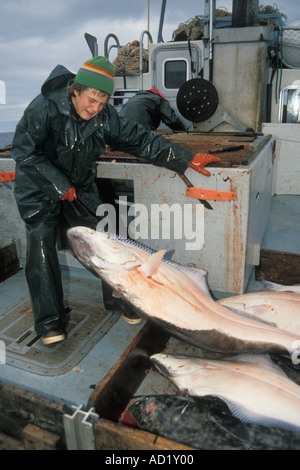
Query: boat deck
x=51 y=371
x=69 y=372
x=283 y=231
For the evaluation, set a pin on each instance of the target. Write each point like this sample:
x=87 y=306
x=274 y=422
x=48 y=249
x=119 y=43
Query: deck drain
x=25 y=350
x=25 y=341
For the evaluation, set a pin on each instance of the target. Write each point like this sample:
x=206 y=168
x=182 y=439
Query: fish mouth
x=162 y=369
x=86 y=251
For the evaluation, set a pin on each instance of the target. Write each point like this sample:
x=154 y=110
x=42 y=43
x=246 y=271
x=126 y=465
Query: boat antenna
x=161 y=21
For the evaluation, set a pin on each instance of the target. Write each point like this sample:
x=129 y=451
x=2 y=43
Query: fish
x=204 y=423
x=279 y=308
x=170 y=416
x=173 y=296
x=273 y=286
x=254 y=388
x=182 y=419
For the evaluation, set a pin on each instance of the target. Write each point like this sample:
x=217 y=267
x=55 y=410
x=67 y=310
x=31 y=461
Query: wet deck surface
x=86 y=367
x=283 y=231
x=74 y=385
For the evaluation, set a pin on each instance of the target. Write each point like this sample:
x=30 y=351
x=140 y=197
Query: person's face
x=88 y=104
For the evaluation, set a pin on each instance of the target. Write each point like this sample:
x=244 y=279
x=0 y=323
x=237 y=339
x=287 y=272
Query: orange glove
x=70 y=195
x=200 y=160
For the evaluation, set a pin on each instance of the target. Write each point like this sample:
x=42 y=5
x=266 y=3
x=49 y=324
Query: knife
x=189 y=184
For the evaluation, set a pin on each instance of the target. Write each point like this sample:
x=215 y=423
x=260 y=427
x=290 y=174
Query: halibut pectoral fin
x=251 y=310
x=240 y=309
x=150 y=267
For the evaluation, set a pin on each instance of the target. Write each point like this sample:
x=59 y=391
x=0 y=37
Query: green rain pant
x=42 y=269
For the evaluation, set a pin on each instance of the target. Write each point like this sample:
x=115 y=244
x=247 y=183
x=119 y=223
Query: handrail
x=110 y=35
x=123 y=90
x=141 y=55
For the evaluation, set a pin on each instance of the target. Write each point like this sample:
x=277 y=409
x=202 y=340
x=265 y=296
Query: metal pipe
x=209 y=24
x=111 y=35
x=212 y=16
x=141 y=55
x=161 y=21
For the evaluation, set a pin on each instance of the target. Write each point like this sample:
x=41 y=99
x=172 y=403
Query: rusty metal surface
x=199 y=143
x=232 y=230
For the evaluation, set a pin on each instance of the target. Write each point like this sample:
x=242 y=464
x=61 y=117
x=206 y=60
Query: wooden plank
x=20 y=407
x=113 y=393
x=10 y=443
x=115 y=436
x=36 y=438
x=275 y=266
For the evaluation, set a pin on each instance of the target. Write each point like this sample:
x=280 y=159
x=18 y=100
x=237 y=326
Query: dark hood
x=58 y=79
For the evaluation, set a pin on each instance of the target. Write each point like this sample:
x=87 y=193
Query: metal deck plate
x=25 y=350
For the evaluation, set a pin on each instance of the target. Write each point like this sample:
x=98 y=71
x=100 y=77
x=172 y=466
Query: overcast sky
x=36 y=35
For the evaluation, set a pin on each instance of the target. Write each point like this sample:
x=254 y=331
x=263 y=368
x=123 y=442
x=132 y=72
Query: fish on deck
x=278 y=307
x=204 y=423
x=174 y=297
x=273 y=286
x=183 y=420
x=252 y=386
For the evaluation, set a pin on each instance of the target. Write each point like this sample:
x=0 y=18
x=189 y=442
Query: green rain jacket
x=55 y=150
x=149 y=109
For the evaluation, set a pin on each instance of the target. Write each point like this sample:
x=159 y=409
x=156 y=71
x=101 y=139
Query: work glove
x=200 y=160
x=70 y=195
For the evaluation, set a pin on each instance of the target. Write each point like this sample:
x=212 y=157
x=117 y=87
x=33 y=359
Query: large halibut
x=174 y=297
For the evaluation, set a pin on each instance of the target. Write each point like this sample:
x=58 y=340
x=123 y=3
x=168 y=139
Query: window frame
x=175 y=59
x=283 y=104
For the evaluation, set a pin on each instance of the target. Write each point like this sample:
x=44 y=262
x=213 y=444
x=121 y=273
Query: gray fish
x=205 y=423
x=192 y=423
x=174 y=297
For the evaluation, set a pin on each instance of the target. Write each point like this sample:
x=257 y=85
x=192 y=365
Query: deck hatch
x=24 y=348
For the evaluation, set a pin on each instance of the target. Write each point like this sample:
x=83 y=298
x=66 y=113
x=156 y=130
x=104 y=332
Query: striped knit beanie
x=97 y=73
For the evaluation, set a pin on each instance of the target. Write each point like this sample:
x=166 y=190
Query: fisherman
x=150 y=108
x=56 y=144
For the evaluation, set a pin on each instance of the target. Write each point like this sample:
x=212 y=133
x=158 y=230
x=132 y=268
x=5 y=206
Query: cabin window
x=289 y=110
x=175 y=73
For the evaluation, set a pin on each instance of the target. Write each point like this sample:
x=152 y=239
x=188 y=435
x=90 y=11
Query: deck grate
x=24 y=348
